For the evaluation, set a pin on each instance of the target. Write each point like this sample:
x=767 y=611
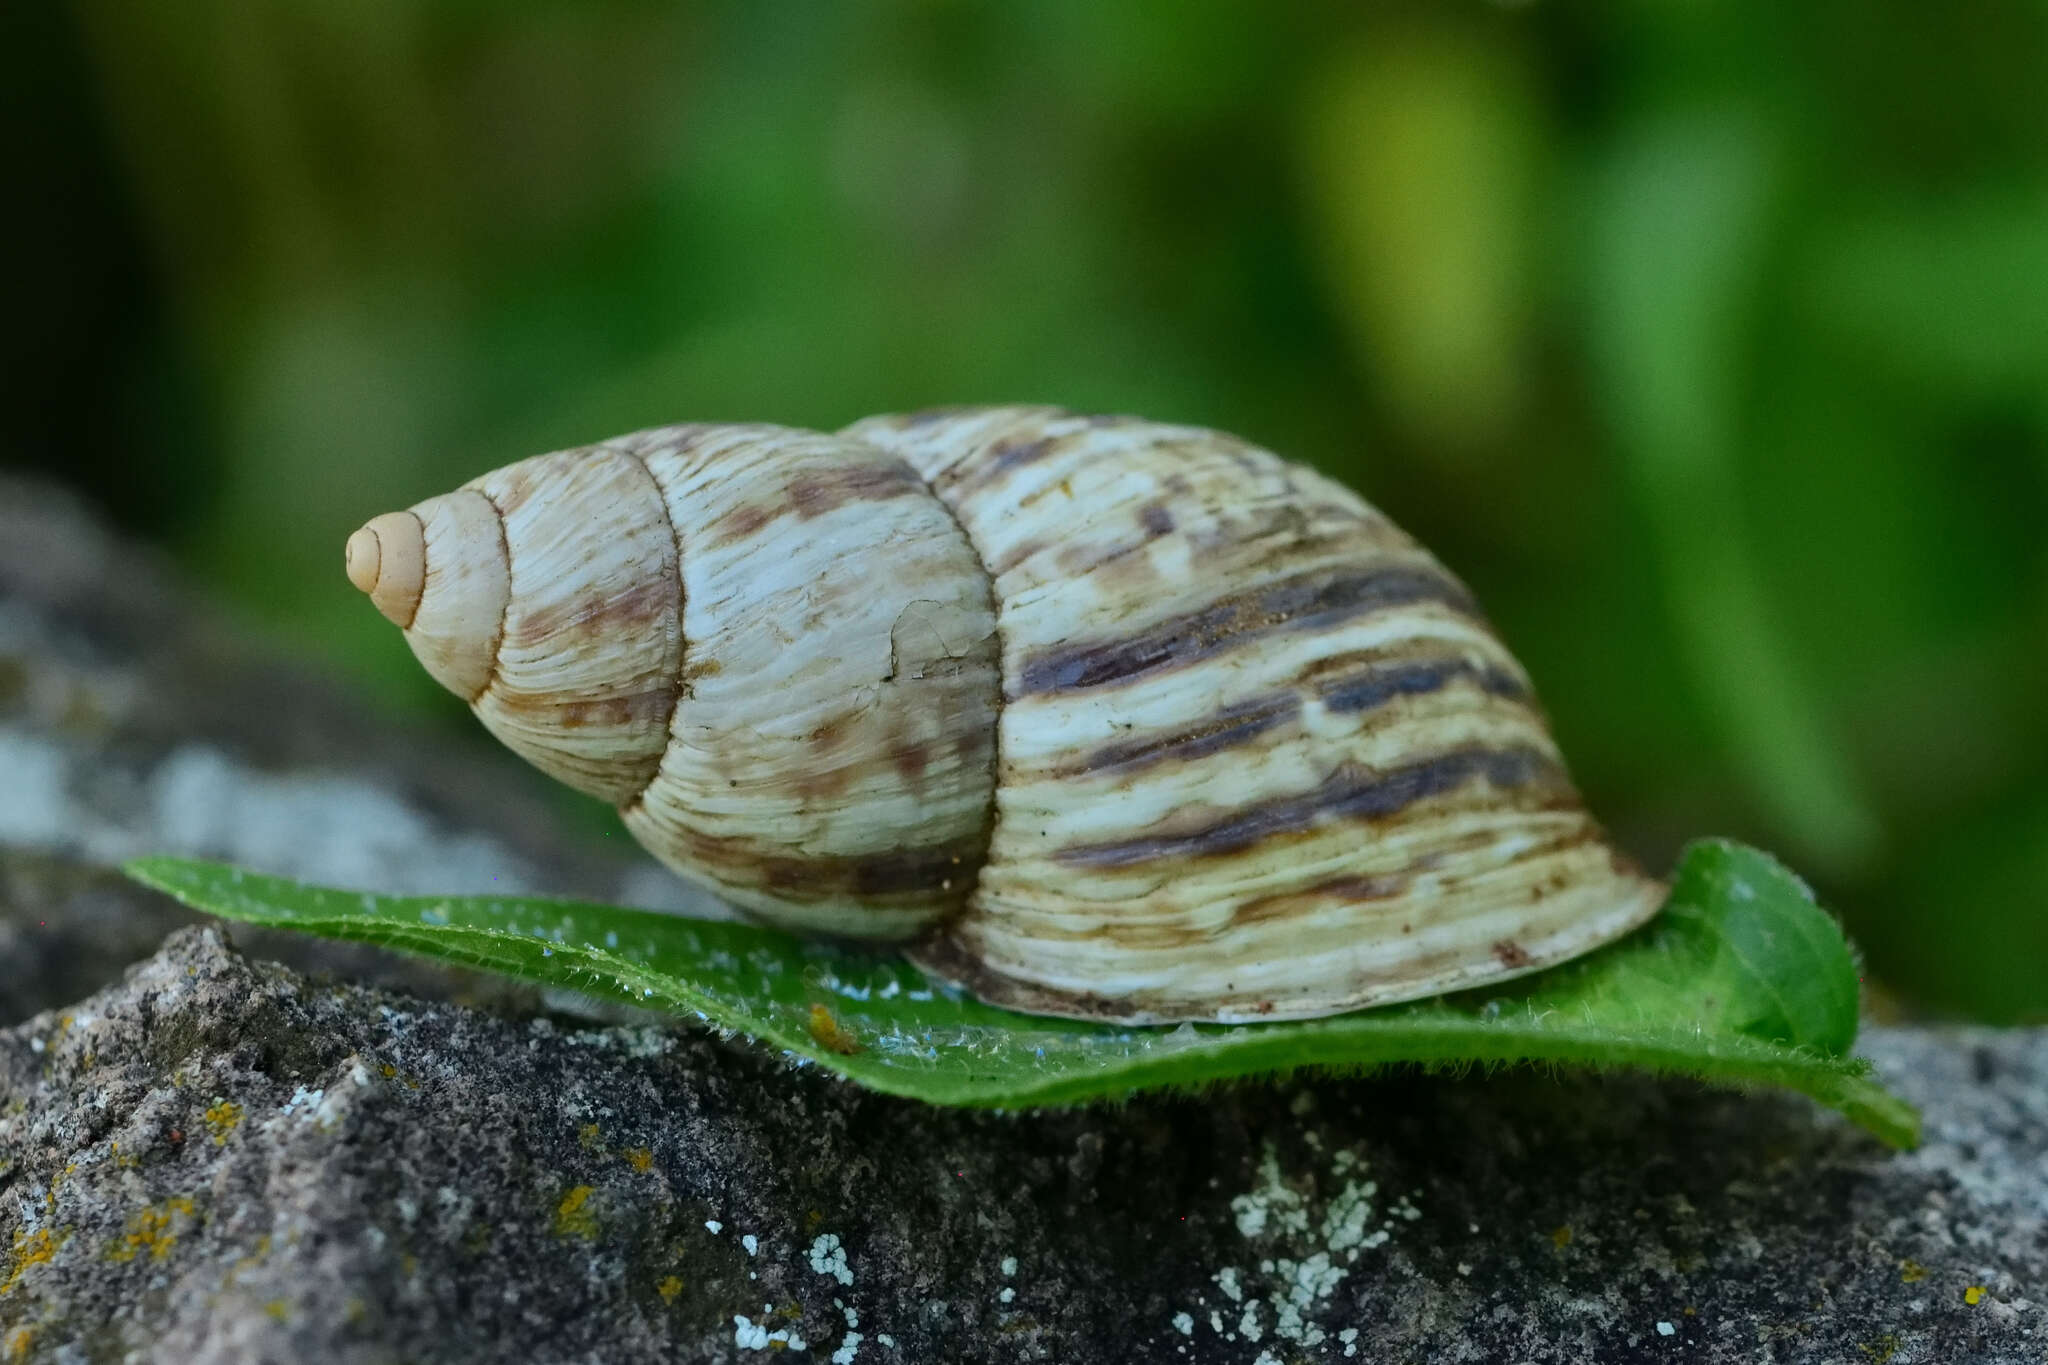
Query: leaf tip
x=155 y=870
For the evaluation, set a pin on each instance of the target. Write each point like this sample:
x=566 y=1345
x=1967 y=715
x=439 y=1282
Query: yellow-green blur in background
x=1709 y=343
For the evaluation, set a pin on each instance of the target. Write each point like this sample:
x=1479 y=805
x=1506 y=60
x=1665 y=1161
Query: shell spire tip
x=387 y=558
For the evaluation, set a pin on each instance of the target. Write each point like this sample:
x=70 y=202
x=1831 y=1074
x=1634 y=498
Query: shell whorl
x=695 y=629
x=1103 y=717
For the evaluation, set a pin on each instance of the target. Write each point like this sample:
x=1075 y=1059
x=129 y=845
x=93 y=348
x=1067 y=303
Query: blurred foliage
x=1709 y=342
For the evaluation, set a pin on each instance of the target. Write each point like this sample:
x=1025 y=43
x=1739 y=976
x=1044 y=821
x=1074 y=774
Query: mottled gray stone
x=134 y=721
x=217 y=1160
x=217 y=1157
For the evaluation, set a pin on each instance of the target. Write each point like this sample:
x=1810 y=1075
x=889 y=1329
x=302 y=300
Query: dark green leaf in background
x=1742 y=980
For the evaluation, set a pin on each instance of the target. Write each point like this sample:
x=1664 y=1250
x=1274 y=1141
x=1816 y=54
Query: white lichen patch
x=749 y=1335
x=1306 y=1240
x=1272 y=1206
x=638 y=1042
x=303 y=1101
x=828 y=1257
x=849 y=1345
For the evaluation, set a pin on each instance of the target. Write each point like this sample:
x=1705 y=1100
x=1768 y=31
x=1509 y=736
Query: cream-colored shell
x=1096 y=716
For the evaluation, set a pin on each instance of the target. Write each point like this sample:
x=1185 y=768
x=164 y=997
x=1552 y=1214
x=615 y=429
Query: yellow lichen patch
x=1561 y=1236
x=222 y=1119
x=669 y=1288
x=1974 y=1295
x=1881 y=1350
x=828 y=1033
x=640 y=1159
x=32 y=1248
x=1912 y=1272
x=279 y=1309
x=589 y=1136
x=249 y=1262
x=150 y=1230
x=19 y=1341
x=573 y=1216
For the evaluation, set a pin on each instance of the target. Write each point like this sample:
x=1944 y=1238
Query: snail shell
x=1098 y=717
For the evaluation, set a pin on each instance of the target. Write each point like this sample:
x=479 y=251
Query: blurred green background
x=1708 y=342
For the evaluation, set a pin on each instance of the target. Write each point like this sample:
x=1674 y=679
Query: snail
x=1092 y=716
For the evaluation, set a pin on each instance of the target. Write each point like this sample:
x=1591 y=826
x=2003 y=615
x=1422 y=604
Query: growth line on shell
x=504 y=611
x=675 y=696
x=995 y=750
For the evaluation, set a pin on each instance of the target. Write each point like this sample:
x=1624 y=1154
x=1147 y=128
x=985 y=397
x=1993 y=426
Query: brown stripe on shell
x=1238 y=723
x=946 y=958
x=541 y=713
x=1130 y=930
x=1347 y=794
x=1357 y=890
x=1015 y=555
x=909 y=875
x=1244 y=721
x=812 y=493
x=641 y=607
x=995 y=464
x=1377 y=686
x=1326 y=597
x=1352 y=890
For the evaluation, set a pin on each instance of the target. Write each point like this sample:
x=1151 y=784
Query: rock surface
x=221 y=1158
x=134 y=720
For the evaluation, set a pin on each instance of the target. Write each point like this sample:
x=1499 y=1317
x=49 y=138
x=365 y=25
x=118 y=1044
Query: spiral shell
x=1098 y=717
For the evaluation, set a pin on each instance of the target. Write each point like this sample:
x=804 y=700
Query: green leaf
x=1742 y=980
x=1681 y=232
